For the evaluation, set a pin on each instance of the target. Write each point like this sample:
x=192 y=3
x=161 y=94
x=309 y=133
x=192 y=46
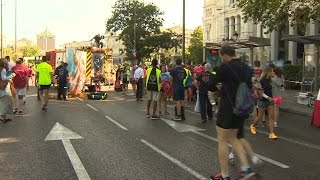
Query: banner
x=76 y=66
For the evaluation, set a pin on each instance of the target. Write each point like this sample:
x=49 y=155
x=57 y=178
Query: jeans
x=205 y=106
x=139 y=92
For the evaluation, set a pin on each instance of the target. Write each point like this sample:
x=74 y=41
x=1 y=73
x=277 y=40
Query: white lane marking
x=79 y=99
x=92 y=107
x=279 y=164
x=116 y=123
x=175 y=161
x=75 y=160
x=312 y=146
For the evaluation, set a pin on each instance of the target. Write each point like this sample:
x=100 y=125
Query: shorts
x=153 y=95
x=264 y=103
x=228 y=120
x=178 y=95
x=21 y=92
x=44 y=87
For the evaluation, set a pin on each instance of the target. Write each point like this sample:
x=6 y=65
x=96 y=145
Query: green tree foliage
x=275 y=14
x=9 y=52
x=148 y=20
x=196 y=47
x=30 y=51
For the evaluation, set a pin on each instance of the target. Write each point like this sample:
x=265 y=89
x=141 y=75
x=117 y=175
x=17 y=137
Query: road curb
x=296 y=112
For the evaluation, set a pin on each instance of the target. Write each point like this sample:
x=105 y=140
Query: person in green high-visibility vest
x=153 y=85
x=187 y=85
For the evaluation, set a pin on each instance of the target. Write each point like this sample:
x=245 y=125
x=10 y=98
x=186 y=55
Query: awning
x=252 y=42
x=313 y=39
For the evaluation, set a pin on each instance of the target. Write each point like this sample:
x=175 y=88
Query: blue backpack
x=244 y=102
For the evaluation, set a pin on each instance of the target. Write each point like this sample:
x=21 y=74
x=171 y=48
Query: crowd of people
x=15 y=80
x=181 y=82
x=210 y=86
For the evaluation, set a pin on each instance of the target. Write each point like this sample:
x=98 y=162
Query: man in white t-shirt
x=138 y=76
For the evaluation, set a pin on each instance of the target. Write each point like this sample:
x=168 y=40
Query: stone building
x=223 y=23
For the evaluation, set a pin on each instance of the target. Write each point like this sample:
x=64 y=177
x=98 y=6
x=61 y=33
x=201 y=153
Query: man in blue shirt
x=178 y=74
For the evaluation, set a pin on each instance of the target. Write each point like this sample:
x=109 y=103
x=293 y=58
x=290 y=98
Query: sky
x=77 y=20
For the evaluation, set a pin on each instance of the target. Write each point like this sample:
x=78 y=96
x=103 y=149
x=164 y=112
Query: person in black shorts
x=228 y=124
x=178 y=75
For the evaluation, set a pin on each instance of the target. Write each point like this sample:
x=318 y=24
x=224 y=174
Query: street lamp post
x=1 y=32
x=184 y=31
x=15 y=27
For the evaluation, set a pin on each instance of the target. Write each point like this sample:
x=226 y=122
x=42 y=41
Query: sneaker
x=253 y=129
x=44 y=108
x=20 y=113
x=273 y=136
x=15 y=110
x=275 y=124
x=257 y=164
x=244 y=175
x=148 y=115
x=232 y=159
x=177 y=118
x=154 y=117
x=218 y=177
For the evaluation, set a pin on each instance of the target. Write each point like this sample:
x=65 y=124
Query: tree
x=139 y=24
x=9 y=52
x=196 y=47
x=275 y=14
x=30 y=51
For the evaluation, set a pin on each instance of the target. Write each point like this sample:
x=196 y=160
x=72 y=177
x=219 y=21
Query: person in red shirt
x=20 y=82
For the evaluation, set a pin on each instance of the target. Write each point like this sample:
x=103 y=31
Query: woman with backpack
x=5 y=91
x=266 y=103
x=277 y=88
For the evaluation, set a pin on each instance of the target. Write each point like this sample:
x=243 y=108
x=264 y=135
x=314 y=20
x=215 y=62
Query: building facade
x=46 y=40
x=223 y=22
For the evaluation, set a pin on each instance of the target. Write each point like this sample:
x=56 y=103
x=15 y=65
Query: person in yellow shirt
x=44 y=76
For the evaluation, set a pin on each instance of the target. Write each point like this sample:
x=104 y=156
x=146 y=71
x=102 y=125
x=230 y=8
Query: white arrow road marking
x=186 y=110
x=279 y=164
x=59 y=132
x=180 y=127
x=92 y=107
x=116 y=123
x=175 y=161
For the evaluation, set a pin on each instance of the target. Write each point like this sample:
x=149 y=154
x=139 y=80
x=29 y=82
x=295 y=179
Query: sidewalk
x=290 y=104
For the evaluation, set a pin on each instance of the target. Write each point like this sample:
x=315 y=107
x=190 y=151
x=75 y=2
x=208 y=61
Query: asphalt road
x=114 y=140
